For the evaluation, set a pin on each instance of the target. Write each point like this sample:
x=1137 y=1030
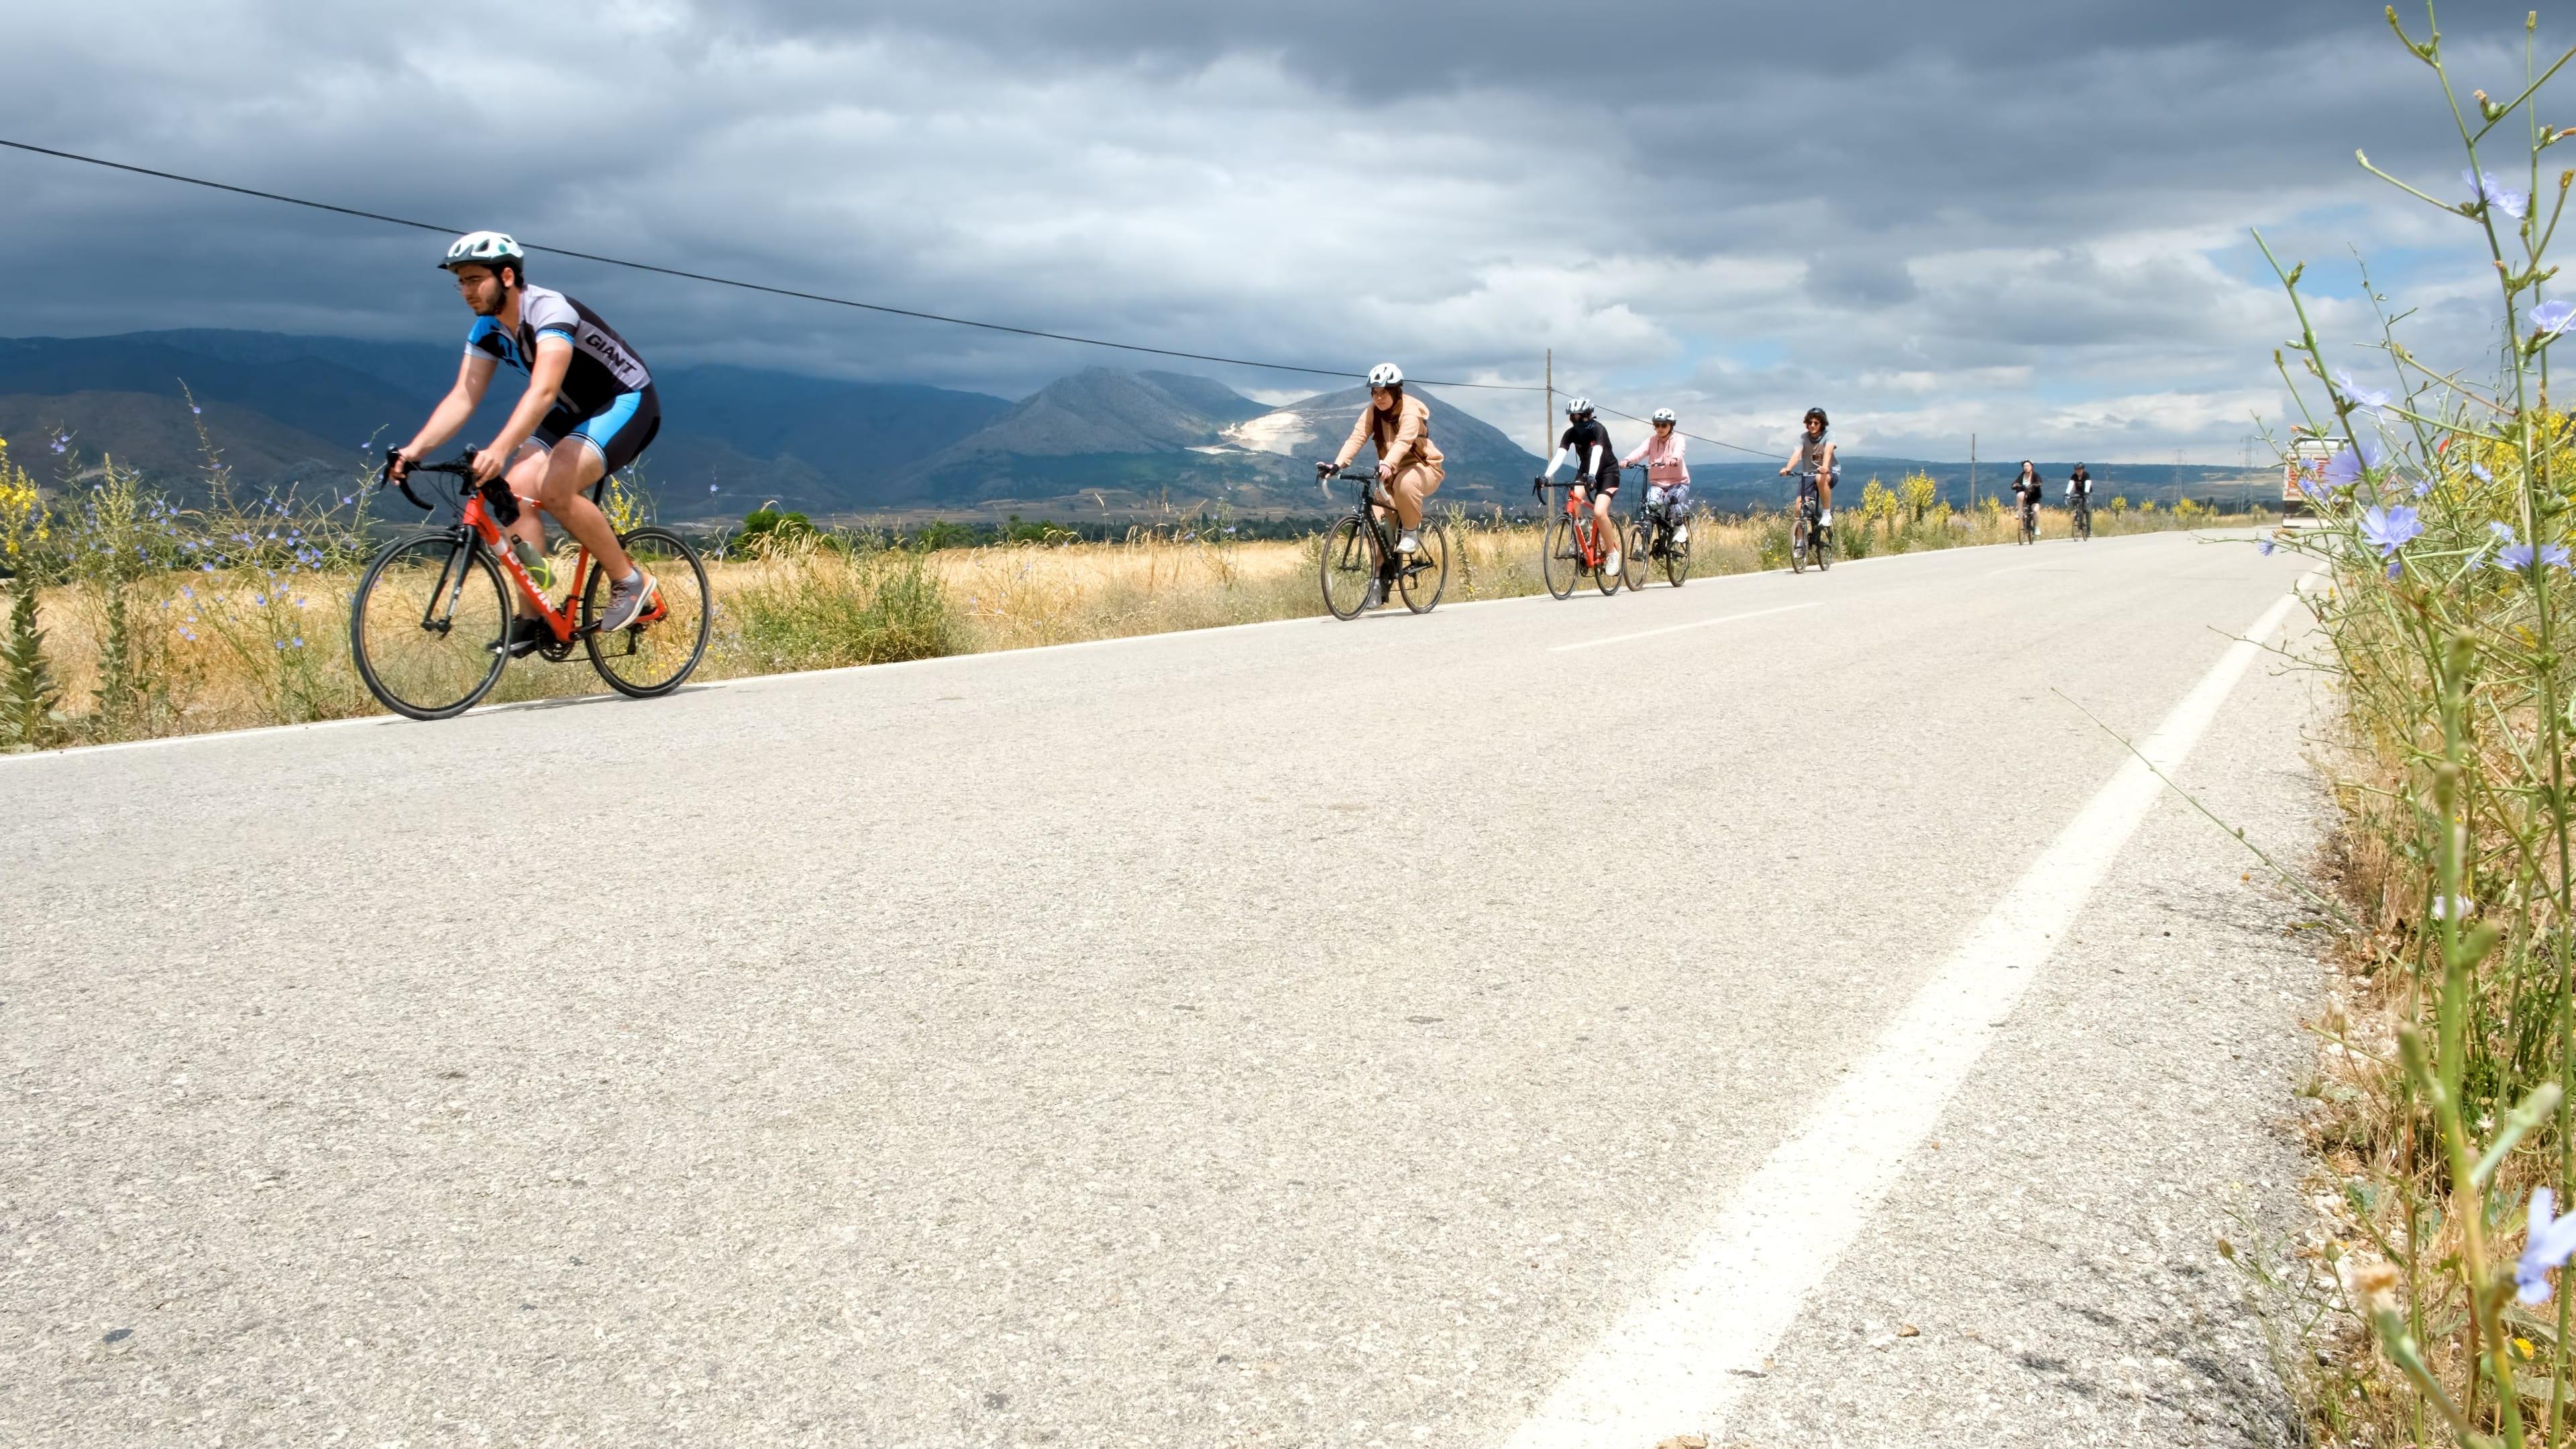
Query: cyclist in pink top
x=1667 y=470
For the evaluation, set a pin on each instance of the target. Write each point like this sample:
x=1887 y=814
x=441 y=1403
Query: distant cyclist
x=589 y=410
x=1410 y=468
x=2026 y=491
x=1814 y=454
x=1668 y=480
x=2079 y=487
x=1586 y=445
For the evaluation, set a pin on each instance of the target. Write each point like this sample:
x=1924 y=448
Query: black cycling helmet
x=1817 y=415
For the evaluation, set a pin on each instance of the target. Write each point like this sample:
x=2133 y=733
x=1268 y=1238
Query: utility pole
x=1972 y=471
x=1547 y=423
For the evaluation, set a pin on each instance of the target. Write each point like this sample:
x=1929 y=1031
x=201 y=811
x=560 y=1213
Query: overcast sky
x=2023 y=218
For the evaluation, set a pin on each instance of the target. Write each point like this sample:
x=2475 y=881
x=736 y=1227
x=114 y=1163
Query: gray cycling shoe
x=1376 y=595
x=627 y=602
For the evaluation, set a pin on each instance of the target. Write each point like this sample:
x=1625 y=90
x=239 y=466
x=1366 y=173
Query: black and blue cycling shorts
x=618 y=432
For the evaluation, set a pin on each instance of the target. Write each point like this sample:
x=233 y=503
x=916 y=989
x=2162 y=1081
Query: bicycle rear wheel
x=1557 y=563
x=428 y=626
x=1823 y=548
x=1676 y=559
x=1426 y=576
x=1633 y=561
x=653 y=655
x=1799 y=536
x=1349 y=562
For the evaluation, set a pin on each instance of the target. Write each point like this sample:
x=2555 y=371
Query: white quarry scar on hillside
x=1282 y=432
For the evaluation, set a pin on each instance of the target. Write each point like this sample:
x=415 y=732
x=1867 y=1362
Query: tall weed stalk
x=2442 y=529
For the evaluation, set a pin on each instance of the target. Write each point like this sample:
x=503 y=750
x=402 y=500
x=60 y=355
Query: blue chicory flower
x=2370 y=400
x=2423 y=486
x=2387 y=529
x=2481 y=474
x=2395 y=567
x=2514 y=556
x=2552 y=317
x=2484 y=185
x=2553 y=555
x=2264 y=546
x=192 y=407
x=2345 y=468
x=2544 y=1247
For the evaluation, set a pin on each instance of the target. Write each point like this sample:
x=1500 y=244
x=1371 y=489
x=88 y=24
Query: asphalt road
x=1304 y=1034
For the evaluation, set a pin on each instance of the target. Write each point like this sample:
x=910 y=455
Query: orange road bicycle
x=430 y=626
x=1574 y=545
x=1359 y=552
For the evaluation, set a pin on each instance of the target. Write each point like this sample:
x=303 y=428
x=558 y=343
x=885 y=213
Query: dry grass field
x=159 y=648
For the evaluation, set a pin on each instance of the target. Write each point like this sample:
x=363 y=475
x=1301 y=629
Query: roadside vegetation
x=2425 y=1309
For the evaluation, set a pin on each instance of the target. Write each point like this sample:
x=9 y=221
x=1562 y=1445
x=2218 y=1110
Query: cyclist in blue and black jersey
x=1586 y=445
x=589 y=410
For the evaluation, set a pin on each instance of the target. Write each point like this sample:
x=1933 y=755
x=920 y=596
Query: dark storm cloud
x=1727 y=206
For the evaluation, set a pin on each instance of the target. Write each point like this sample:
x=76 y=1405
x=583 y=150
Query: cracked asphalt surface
x=1252 y=1037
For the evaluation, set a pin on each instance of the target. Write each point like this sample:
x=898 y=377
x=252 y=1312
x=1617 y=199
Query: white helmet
x=1386 y=374
x=1580 y=407
x=1664 y=415
x=486 y=249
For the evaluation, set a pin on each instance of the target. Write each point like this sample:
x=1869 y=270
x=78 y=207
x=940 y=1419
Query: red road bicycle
x=430 y=625
x=1574 y=545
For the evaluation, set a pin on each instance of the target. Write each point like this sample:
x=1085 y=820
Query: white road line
x=1677 y=628
x=1672 y=1364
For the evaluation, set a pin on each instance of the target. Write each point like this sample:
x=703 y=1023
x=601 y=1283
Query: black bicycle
x=431 y=622
x=1658 y=534
x=1361 y=567
x=2082 y=506
x=1809 y=540
x=2028 y=523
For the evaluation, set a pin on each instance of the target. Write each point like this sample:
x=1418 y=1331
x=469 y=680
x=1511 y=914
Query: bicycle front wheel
x=429 y=626
x=1676 y=560
x=1425 y=576
x=1349 y=564
x=1556 y=560
x=1633 y=560
x=653 y=655
x=1799 y=535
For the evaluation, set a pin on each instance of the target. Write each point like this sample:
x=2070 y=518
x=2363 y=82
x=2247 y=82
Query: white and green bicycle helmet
x=486 y=249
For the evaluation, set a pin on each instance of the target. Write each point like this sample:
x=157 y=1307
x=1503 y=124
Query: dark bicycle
x=430 y=625
x=1809 y=540
x=2027 y=526
x=1657 y=534
x=1360 y=551
x=2082 y=507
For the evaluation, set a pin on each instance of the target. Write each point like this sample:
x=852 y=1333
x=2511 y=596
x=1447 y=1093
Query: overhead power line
x=1721 y=442
x=730 y=281
x=789 y=292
